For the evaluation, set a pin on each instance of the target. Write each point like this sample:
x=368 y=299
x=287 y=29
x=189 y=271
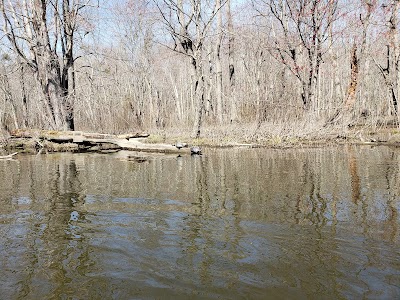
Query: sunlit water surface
x=231 y=224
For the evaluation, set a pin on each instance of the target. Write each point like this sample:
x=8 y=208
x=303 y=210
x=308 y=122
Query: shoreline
x=163 y=142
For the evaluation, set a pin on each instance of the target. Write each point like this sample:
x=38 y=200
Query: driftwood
x=143 y=147
x=93 y=141
x=67 y=136
x=8 y=156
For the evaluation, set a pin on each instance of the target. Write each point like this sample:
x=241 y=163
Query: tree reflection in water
x=236 y=223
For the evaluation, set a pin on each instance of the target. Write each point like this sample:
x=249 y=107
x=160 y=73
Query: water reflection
x=235 y=223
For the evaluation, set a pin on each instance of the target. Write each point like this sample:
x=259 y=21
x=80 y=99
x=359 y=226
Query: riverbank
x=280 y=136
x=163 y=141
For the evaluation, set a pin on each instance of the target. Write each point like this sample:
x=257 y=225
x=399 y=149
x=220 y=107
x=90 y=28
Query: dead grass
x=156 y=138
x=267 y=134
x=309 y=131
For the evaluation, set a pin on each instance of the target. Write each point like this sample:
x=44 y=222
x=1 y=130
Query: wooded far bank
x=225 y=69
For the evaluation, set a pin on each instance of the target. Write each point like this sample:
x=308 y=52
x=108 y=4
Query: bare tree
x=42 y=34
x=391 y=72
x=300 y=29
x=356 y=59
x=231 y=61
x=188 y=23
x=218 y=65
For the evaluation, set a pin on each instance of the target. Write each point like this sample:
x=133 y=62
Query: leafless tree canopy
x=115 y=66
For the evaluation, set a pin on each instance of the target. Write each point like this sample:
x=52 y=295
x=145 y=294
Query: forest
x=225 y=69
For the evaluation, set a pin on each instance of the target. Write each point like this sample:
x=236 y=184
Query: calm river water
x=231 y=224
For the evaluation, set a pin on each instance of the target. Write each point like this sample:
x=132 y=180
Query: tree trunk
x=355 y=61
x=25 y=110
x=350 y=100
x=218 y=66
x=393 y=55
x=9 y=99
x=352 y=89
x=231 y=61
x=199 y=96
x=209 y=107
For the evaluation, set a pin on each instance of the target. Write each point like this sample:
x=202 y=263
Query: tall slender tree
x=189 y=23
x=391 y=72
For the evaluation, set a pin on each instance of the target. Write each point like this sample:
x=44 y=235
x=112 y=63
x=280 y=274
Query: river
x=230 y=224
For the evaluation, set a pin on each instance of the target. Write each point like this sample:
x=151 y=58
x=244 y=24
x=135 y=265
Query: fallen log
x=70 y=135
x=84 y=141
x=144 y=147
x=134 y=145
x=8 y=156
